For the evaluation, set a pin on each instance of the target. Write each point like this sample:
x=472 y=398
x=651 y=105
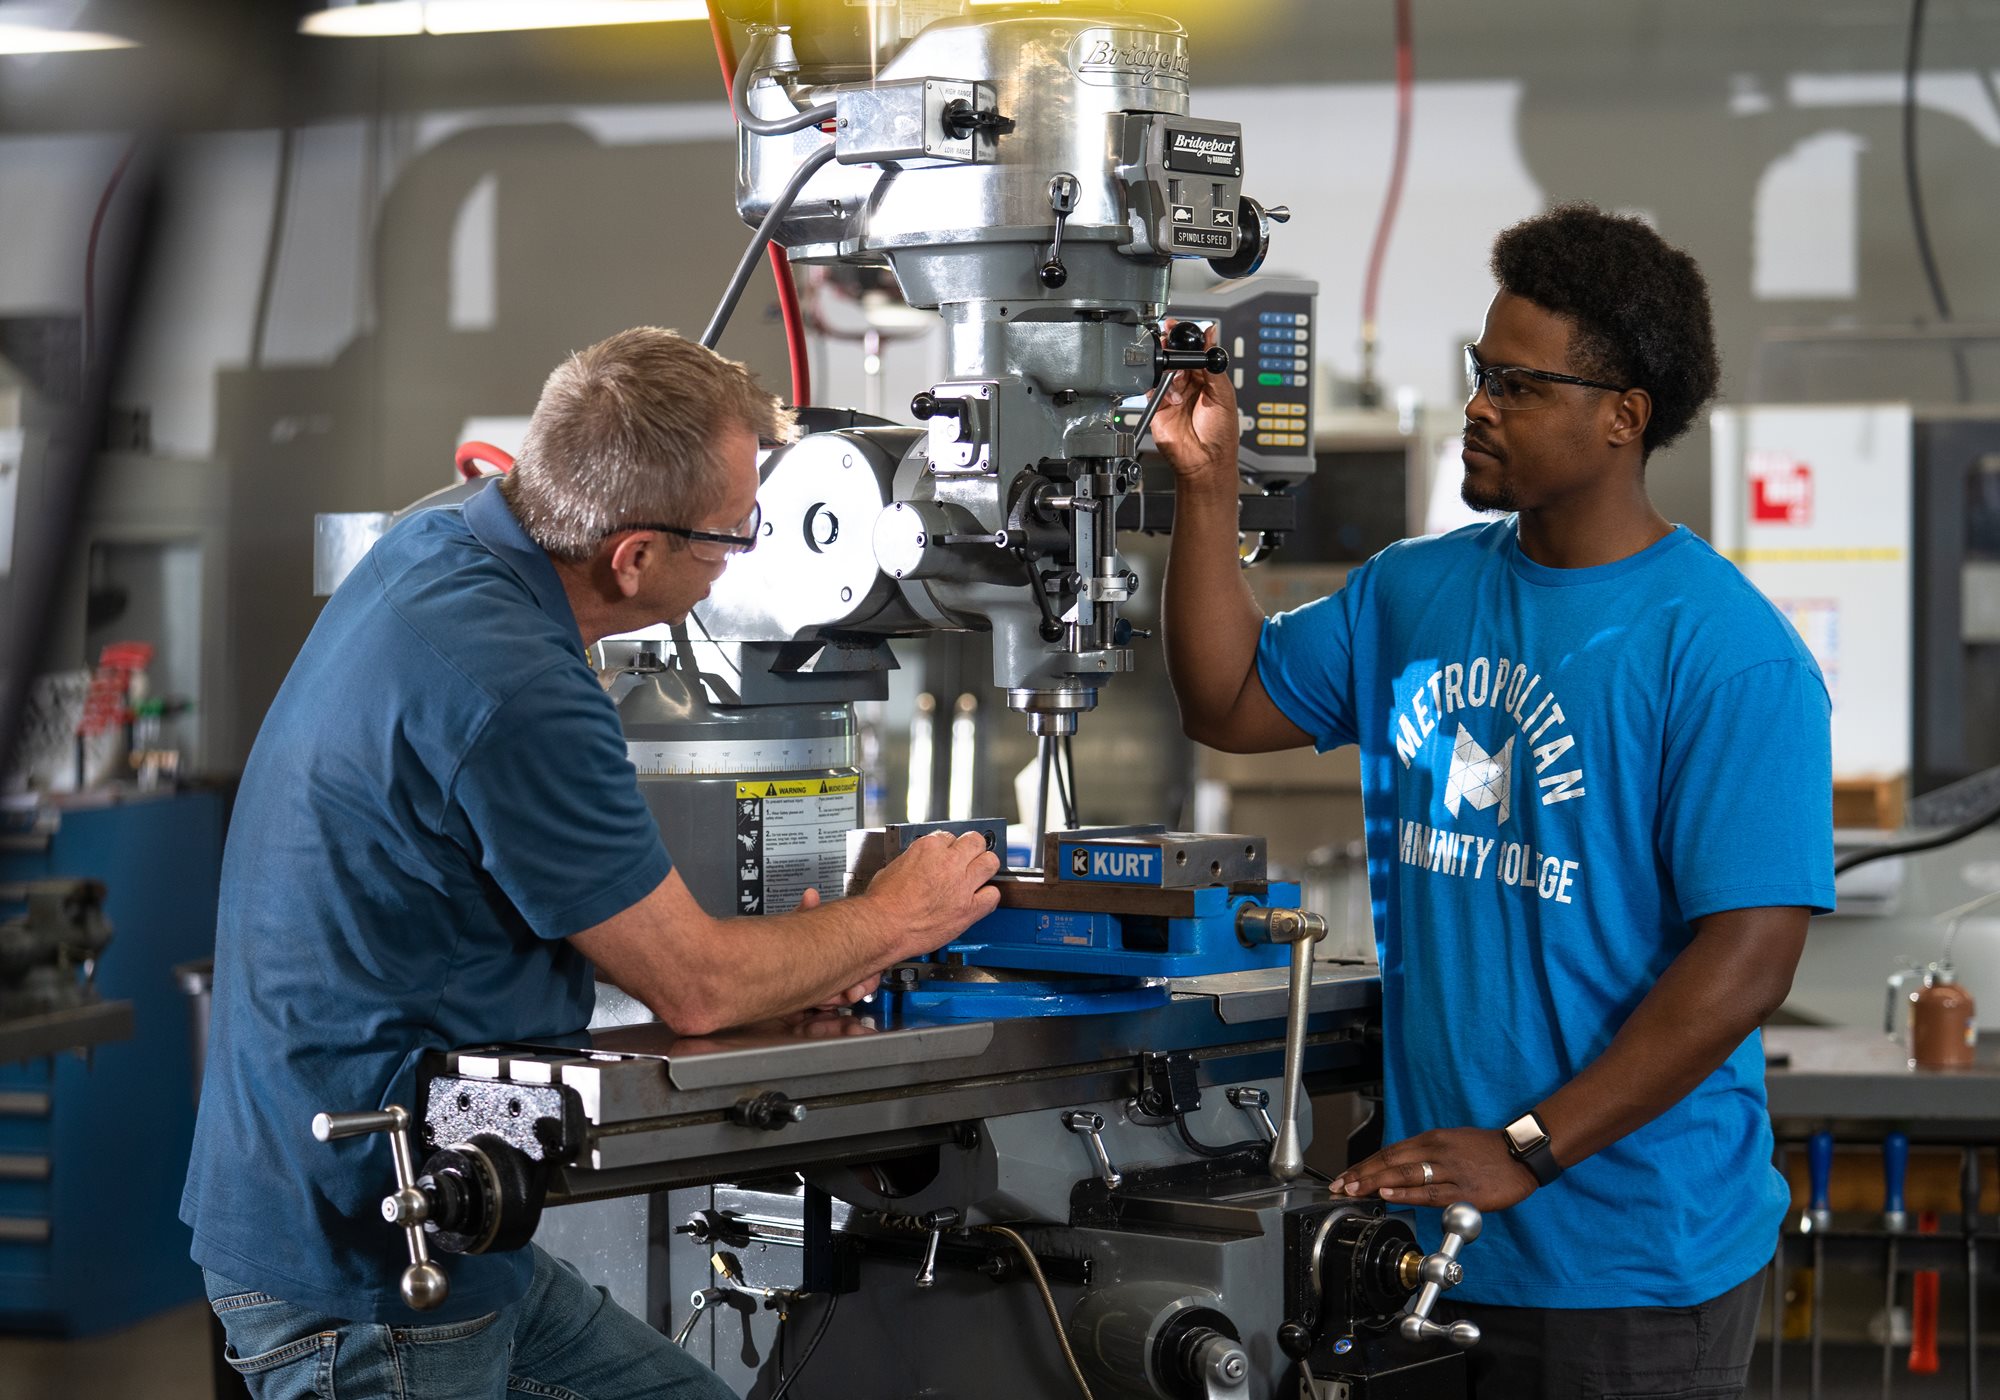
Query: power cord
x=826 y=1318
x=1048 y=1303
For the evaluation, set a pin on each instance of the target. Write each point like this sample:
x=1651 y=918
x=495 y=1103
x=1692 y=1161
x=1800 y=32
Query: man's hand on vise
x=860 y=991
x=1197 y=428
x=936 y=889
x=1467 y=1164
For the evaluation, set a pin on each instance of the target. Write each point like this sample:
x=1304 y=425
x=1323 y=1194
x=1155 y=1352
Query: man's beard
x=1498 y=496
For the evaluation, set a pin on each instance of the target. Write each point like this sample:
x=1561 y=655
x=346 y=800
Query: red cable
x=795 y=327
x=90 y=250
x=1406 y=76
x=470 y=454
x=781 y=266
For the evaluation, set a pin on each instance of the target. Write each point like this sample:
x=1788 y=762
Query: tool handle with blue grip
x=1895 y=1165
x=1819 y=1162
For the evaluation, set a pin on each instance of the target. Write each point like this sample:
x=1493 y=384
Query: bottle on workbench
x=1944 y=1030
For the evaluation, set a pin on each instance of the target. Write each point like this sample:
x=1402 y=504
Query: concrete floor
x=163 y=1358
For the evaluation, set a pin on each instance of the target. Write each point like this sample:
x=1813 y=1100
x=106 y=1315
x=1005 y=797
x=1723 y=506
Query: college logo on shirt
x=1491 y=692
x=1489 y=684
x=1481 y=778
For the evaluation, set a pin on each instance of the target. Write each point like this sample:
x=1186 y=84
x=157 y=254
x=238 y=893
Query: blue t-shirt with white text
x=1562 y=770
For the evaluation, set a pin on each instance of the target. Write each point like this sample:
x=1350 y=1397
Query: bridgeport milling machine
x=1078 y=1089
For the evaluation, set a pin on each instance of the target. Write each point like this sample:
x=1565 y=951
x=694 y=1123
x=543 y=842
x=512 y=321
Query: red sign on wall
x=1781 y=489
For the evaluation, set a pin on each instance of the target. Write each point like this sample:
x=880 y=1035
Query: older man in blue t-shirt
x=1596 y=776
x=439 y=835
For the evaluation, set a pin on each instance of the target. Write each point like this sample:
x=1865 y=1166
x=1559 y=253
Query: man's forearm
x=1212 y=619
x=1721 y=988
x=700 y=974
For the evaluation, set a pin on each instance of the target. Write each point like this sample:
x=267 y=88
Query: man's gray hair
x=630 y=430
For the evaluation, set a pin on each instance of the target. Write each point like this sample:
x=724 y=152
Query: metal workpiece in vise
x=1301 y=929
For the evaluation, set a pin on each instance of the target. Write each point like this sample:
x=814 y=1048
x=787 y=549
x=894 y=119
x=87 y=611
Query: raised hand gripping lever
x=424 y=1284
x=1439 y=1272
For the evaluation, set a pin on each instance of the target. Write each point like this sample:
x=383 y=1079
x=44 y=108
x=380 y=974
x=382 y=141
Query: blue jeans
x=564 y=1340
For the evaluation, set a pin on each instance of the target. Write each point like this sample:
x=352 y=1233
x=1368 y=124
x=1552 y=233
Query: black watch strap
x=1528 y=1144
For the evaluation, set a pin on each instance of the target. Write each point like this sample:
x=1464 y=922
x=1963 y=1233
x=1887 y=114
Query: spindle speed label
x=791 y=836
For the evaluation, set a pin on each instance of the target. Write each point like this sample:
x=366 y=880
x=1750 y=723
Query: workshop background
x=251 y=275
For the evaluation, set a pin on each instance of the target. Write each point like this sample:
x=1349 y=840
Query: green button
x=1270 y=379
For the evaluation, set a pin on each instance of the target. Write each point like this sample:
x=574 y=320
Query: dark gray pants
x=1697 y=1353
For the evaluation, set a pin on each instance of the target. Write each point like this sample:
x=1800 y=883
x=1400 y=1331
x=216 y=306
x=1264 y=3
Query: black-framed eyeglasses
x=708 y=544
x=1515 y=387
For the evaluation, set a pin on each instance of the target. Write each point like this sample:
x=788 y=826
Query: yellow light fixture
x=29 y=29
x=377 y=18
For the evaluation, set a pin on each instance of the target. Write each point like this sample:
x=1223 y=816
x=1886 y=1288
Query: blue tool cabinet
x=93 y=1154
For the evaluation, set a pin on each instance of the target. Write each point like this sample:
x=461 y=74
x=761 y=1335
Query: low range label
x=791 y=836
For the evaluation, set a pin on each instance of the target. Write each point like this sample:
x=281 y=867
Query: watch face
x=1525 y=1132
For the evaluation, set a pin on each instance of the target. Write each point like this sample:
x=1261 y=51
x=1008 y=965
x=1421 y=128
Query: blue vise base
x=1197 y=938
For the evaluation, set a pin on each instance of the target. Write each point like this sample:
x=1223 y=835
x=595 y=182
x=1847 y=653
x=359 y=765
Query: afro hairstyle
x=1639 y=306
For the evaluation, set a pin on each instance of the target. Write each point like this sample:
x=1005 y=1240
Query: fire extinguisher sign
x=1781 y=489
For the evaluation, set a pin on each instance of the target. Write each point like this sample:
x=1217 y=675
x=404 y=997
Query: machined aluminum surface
x=1063 y=81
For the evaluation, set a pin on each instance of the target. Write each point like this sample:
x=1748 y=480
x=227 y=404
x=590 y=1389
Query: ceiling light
x=488 y=16
x=366 y=20
x=371 y=18
x=34 y=29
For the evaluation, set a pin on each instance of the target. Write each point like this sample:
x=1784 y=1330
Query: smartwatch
x=1528 y=1144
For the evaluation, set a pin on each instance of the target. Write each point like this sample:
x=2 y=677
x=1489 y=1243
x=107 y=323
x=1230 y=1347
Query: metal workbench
x=1860 y=1086
x=1859 y=1083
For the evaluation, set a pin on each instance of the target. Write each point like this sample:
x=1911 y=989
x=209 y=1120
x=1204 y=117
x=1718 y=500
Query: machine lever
x=926 y=406
x=1439 y=1272
x=1064 y=192
x=1090 y=1127
x=1302 y=929
x=937 y=1222
x=424 y=1283
x=1257 y=1104
x=701 y=1300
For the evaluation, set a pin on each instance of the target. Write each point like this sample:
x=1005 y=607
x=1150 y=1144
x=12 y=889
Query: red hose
x=781 y=266
x=90 y=249
x=470 y=454
x=1406 y=76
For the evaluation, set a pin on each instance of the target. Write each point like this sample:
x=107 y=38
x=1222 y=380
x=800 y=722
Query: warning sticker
x=791 y=836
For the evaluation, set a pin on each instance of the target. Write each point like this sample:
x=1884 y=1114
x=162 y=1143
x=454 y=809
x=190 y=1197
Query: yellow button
x=1268 y=439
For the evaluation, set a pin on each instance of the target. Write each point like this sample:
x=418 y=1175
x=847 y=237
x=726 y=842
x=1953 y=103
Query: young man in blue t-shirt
x=1596 y=776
